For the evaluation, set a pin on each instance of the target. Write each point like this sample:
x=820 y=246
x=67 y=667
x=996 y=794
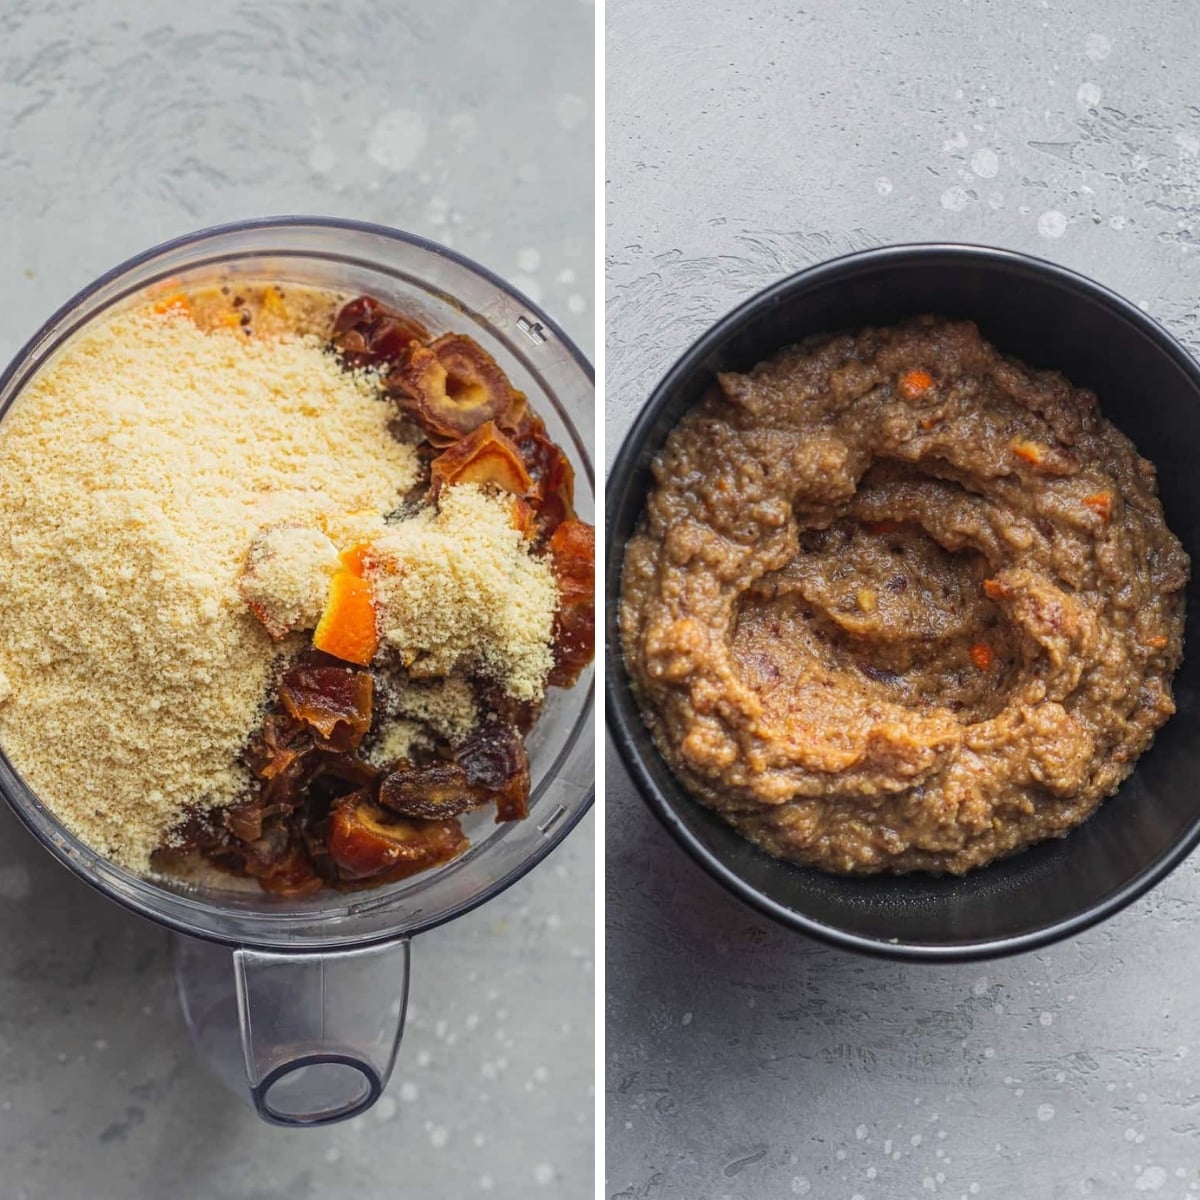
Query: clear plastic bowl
x=311 y=970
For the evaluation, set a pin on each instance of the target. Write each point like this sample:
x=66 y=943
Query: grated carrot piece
x=914 y=384
x=355 y=559
x=347 y=626
x=1030 y=452
x=982 y=656
x=1101 y=504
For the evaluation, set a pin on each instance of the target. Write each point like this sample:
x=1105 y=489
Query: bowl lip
x=623 y=716
x=134 y=902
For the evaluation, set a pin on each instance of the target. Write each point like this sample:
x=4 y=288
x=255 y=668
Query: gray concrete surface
x=745 y=141
x=124 y=124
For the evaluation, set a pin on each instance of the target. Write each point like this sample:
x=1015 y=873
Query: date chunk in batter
x=900 y=603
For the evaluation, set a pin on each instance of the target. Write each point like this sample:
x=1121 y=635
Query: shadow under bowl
x=1149 y=386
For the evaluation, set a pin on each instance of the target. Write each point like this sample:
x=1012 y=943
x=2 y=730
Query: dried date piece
x=494 y=757
x=433 y=789
x=453 y=386
x=483 y=456
x=573 y=553
x=366 y=841
x=552 y=474
x=368 y=334
x=334 y=701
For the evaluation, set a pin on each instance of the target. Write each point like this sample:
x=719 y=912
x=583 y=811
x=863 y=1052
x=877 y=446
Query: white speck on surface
x=872 y=1172
x=1045 y=1112
x=532 y=289
x=1088 y=95
x=570 y=111
x=957 y=142
x=984 y=163
x=397 y=139
x=15 y=883
x=980 y=986
x=840 y=1156
x=1188 y=143
x=424 y=1058
x=1046 y=1018
x=100 y=1044
x=385 y=1109
x=915 y=1140
x=408 y=1092
x=464 y=127
x=1150 y=1180
x=332 y=1154
x=541 y=1074
x=883 y=185
x=1052 y=224
x=955 y=198
x=576 y=303
x=321 y=158
x=1097 y=47
x=439 y=1135
x=566 y=275
x=861 y=1132
x=529 y=259
x=543 y=1173
x=800 y=1186
x=974 y=1189
x=485 y=1183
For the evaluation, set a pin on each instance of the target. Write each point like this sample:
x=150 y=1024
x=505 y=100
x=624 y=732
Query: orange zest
x=347 y=626
x=176 y=302
x=993 y=589
x=1157 y=643
x=1030 y=452
x=914 y=384
x=1101 y=504
x=355 y=559
x=982 y=656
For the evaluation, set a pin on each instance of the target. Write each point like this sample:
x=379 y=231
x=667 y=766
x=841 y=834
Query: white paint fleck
x=577 y=304
x=974 y=1189
x=1131 y=1135
x=686 y=1019
x=541 y=1074
x=485 y=1183
x=1097 y=47
x=840 y=1156
x=464 y=127
x=1045 y=1112
x=385 y=1110
x=472 y=1020
x=955 y=198
x=570 y=111
x=1046 y=1018
x=566 y=275
x=439 y=1136
x=397 y=139
x=984 y=163
x=15 y=883
x=989 y=1052
x=543 y=1173
x=1052 y=224
x=408 y=1092
x=915 y=1140
x=332 y=1154
x=800 y=1186
x=1088 y=95
x=861 y=1133
x=1150 y=1180
x=532 y=289
x=872 y=1172
x=321 y=158
x=980 y=986
x=1188 y=143
x=424 y=1058
x=883 y=185
x=529 y=259
x=100 y=1044
x=887 y=1145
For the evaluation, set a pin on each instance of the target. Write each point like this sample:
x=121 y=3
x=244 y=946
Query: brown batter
x=900 y=603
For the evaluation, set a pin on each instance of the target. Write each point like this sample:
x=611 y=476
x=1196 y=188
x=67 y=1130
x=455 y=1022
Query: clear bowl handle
x=308 y=1039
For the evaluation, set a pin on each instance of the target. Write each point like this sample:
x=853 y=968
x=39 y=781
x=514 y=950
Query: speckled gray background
x=745 y=141
x=121 y=125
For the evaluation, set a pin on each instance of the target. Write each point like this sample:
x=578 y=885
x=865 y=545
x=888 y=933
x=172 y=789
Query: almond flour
x=135 y=471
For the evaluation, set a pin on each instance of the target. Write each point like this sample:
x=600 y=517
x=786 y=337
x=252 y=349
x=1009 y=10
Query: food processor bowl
x=298 y=1003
